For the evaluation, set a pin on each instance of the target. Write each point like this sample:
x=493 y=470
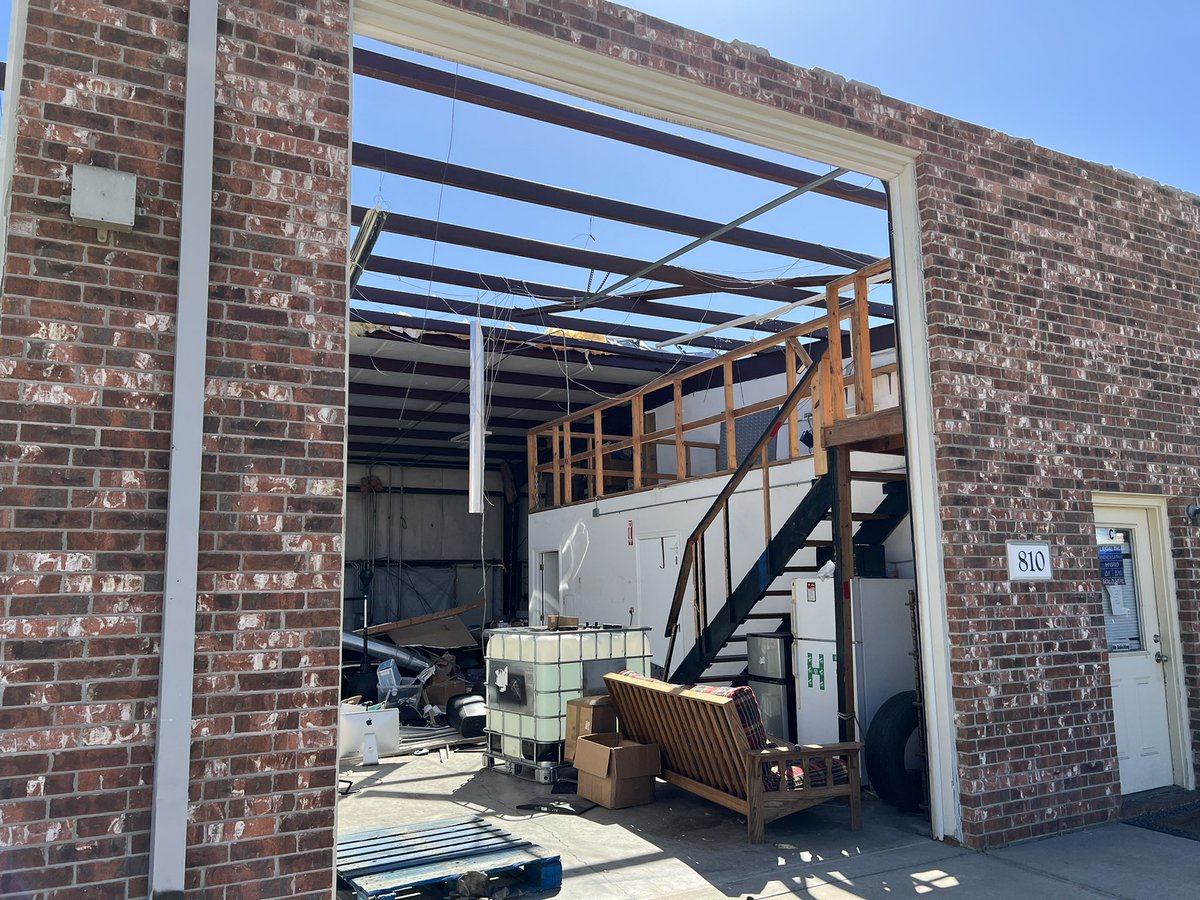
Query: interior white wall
x=598 y=565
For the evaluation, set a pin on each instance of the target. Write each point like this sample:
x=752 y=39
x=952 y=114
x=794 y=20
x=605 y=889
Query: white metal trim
x=917 y=395
x=18 y=24
x=498 y=47
x=1183 y=757
x=173 y=735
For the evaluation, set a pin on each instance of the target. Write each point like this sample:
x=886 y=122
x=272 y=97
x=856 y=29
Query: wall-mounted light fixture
x=1193 y=512
x=103 y=199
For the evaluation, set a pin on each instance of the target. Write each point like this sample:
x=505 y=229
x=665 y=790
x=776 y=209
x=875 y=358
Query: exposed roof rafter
x=437 y=172
x=480 y=239
x=481 y=93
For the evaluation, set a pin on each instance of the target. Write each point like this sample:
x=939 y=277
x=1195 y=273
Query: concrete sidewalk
x=1111 y=861
x=681 y=846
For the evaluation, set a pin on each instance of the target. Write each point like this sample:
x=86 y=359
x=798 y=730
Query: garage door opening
x=706 y=450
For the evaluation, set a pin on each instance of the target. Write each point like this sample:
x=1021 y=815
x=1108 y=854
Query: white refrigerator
x=882 y=651
x=815 y=663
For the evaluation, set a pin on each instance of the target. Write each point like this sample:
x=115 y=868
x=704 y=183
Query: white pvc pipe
x=173 y=734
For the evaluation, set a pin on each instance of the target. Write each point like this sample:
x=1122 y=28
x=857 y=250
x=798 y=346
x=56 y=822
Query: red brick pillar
x=87 y=346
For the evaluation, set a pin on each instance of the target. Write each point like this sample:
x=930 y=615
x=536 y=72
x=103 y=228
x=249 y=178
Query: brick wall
x=1065 y=338
x=85 y=380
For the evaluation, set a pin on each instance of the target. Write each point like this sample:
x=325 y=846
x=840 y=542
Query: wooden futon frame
x=707 y=743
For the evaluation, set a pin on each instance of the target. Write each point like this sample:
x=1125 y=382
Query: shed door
x=1132 y=612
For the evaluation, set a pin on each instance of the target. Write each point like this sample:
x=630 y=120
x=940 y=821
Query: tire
x=888 y=754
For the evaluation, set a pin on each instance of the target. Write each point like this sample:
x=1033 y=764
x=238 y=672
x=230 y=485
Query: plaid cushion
x=797 y=778
x=745 y=704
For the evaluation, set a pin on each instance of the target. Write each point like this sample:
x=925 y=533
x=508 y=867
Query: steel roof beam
x=386 y=413
x=462 y=373
x=639 y=302
x=396 y=163
x=402 y=393
x=481 y=93
x=432 y=303
x=529 y=345
x=528 y=248
x=415 y=434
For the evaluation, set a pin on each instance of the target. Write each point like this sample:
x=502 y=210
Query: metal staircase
x=716 y=634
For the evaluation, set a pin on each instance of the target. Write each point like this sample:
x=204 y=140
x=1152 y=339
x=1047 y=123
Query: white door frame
x=474 y=40
x=1162 y=569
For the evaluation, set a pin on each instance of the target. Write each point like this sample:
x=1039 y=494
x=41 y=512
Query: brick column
x=85 y=379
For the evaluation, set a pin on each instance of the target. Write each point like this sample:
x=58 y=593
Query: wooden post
x=638 y=429
x=731 y=460
x=531 y=452
x=680 y=451
x=794 y=417
x=843 y=561
x=569 y=453
x=557 y=468
x=837 y=386
x=820 y=460
x=597 y=418
x=860 y=338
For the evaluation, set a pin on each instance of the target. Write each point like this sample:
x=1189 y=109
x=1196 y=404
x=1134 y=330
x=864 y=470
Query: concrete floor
x=684 y=847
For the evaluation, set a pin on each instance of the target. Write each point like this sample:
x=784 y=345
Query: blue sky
x=1114 y=82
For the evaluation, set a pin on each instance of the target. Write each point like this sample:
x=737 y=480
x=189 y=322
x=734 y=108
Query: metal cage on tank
x=533 y=672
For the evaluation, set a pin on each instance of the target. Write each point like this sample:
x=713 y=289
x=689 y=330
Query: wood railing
x=618 y=446
x=692 y=566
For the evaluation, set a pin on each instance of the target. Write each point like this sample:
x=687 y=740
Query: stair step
x=878 y=476
x=738 y=658
x=715 y=679
x=766 y=615
x=799 y=569
x=734 y=638
x=777 y=594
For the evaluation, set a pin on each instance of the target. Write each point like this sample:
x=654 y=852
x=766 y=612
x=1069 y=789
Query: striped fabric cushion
x=745 y=704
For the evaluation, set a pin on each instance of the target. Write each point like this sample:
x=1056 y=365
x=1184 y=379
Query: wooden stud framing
x=833 y=354
x=531 y=450
x=681 y=455
x=598 y=440
x=639 y=424
x=556 y=435
x=860 y=342
x=731 y=459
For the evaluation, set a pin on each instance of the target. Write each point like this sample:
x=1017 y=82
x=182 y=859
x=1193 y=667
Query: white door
x=548 y=585
x=657 y=572
x=1132 y=609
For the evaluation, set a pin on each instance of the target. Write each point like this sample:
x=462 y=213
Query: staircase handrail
x=722 y=499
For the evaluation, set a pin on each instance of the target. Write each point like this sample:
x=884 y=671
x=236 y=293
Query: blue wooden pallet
x=387 y=863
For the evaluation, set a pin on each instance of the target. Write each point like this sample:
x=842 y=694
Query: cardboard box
x=562 y=623
x=614 y=772
x=439 y=689
x=589 y=715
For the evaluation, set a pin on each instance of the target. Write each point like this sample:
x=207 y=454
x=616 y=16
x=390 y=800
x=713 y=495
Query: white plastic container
x=533 y=672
